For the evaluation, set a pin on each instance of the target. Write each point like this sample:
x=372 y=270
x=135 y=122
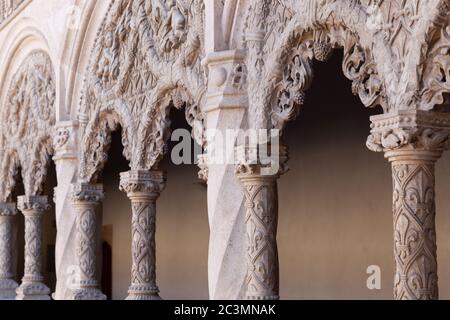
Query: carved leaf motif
x=146 y=51
x=29 y=119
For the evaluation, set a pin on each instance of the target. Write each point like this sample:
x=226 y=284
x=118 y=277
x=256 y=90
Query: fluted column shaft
x=85 y=199
x=412 y=142
x=143 y=188
x=7 y=283
x=32 y=287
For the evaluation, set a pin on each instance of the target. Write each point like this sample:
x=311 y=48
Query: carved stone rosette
x=260 y=188
x=85 y=199
x=413 y=141
x=32 y=287
x=143 y=188
x=8 y=285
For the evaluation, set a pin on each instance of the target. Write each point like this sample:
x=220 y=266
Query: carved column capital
x=87 y=193
x=252 y=161
x=7 y=209
x=33 y=205
x=405 y=130
x=65 y=140
x=143 y=183
x=227 y=80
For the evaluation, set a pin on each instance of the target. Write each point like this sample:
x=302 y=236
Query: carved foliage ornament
x=146 y=58
x=395 y=52
x=281 y=43
x=28 y=121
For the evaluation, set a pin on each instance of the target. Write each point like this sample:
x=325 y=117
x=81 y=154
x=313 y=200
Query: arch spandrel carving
x=395 y=52
x=29 y=118
x=146 y=58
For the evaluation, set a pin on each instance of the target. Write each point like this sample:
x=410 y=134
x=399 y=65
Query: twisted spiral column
x=85 y=198
x=8 y=285
x=33 y=287
x=143 y=188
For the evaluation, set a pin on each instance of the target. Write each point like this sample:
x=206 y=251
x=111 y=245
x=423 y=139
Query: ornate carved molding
x=28 y=117
x=146 y=58
x=410 y=129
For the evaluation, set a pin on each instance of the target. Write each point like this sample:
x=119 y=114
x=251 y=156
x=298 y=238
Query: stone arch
x=146 y=58
x=28 y=115
x=283 y=37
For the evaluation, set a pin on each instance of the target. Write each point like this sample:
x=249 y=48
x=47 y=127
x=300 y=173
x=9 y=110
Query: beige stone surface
x=72 y=72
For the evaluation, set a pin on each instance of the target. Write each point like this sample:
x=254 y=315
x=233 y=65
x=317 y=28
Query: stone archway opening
x=326 y=234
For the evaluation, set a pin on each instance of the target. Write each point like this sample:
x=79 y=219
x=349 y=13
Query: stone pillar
x=8 y=285
x=85 y=198
x=225 y=109
x=412 y=142
x=66 y=160
x=143 y=188
x=32 y=287
x=261 y=222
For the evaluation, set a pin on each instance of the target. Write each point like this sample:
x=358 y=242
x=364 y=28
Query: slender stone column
x=413 y=141
x=32 y=287
x=85 y=198
x=261 y=221
x=8 y=285
x=143 y=188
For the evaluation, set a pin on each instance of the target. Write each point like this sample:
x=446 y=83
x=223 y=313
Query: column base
x=275 y=297
x=33 y=291
x=86 y=294
x=143 y=292
x=8 y=289
x=143 y=296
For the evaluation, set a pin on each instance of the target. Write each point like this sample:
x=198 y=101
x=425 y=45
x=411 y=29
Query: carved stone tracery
x=146 y=59
x=28 y=125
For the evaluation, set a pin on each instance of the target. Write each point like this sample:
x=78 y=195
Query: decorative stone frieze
x=143 y=188
x=8 y=285
x=32 y=286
